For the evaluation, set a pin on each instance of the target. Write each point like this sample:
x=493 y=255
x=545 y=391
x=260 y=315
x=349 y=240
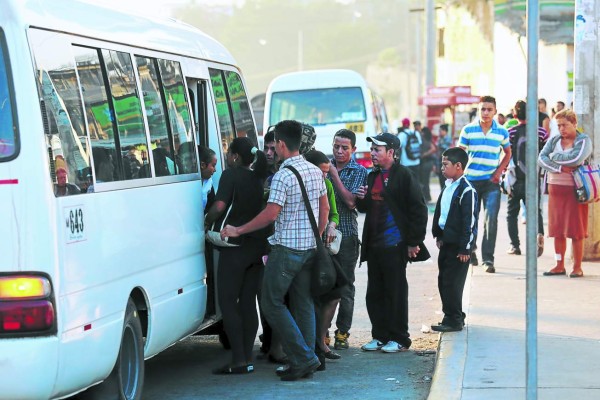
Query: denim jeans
x=488 y=195
x=288 y=270
x=347 y=257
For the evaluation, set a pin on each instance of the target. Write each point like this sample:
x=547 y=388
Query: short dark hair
x=316 y=157
x=348 y=134
x=270 y=135
x=521 y=110
x=205 y=154
x=488 y=99
x=456 y=155
x=444 y=127
x=543 y=101
x=561 y=103
x=289 y=132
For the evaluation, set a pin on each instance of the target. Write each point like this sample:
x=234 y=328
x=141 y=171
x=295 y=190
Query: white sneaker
x=373 y=345
x=392 y=347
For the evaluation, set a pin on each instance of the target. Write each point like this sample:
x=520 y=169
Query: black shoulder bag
x=323 y=272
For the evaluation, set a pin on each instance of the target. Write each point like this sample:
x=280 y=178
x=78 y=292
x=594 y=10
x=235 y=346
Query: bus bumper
x=28 y=367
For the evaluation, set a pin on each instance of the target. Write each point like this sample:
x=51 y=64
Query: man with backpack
x=410 y=150
x=517 y=136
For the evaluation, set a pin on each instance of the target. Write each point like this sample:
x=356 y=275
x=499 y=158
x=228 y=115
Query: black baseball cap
x=385 y=139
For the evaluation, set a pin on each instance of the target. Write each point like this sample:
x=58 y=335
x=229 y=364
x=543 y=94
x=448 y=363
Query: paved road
x=183 y=371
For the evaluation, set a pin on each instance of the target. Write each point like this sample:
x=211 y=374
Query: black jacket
x=404 y=198
x=461 y=224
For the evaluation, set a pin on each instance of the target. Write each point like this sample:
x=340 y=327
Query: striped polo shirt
x=483 y=149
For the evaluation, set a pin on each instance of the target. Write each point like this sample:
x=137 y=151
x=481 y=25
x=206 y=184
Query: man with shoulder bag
x=292 y=251
x=395 y=227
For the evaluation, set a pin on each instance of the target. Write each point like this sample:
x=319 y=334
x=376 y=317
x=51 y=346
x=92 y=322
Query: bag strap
x=226 y=215
x=311 y=216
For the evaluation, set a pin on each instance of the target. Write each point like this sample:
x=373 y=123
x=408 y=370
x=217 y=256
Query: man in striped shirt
x=484 y=139
x=517 y=136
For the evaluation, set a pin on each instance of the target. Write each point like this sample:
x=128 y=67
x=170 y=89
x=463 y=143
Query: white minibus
x=328 y=100
x=102 y=227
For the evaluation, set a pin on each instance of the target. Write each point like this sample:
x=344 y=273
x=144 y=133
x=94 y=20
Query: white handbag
x=334 y=247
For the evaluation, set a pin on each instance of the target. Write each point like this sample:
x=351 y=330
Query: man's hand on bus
x=229 y=231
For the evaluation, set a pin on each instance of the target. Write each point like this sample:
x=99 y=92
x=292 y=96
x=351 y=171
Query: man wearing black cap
x=394 y=230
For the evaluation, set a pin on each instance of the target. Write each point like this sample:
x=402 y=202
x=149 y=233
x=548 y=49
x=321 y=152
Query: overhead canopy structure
x=556 y=18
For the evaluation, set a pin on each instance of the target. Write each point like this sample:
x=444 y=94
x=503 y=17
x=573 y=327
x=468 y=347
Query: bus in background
x=328 y=100
x=102 y=232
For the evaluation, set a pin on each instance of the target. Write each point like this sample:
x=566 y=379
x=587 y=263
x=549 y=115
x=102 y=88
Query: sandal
x=576 y=274
x=227 y=370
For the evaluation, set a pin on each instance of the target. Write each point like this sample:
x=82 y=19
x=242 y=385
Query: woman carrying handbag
x=239 y=268
x=567 y=218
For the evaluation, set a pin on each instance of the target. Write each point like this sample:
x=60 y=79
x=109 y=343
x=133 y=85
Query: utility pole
x=586 y=88
x=431 y=44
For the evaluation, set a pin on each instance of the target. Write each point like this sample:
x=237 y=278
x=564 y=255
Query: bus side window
x=180 y=122
x=240 y=106
x=223 y=112
x=155 y=107
x=62 y=113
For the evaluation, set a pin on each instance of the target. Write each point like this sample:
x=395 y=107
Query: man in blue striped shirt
x=483 y=139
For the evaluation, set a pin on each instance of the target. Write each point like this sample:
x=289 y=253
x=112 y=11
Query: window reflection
x=242 y=115
x=128 y=111
x=99 y=113
x=223 y=115
x=179 y=114
x=62 y=111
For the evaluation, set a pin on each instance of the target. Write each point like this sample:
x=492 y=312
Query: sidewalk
x=487 y=360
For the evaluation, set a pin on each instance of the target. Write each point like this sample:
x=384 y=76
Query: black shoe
x=332 y=355
x=281 y=371
x=294 y=374
x=321 y=357
x=445 y=328
x=474 y=261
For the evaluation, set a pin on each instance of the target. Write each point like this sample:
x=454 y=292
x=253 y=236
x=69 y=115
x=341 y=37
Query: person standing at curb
x=293 y=248
x=347 y=177
x=483 y=140
x=395 y=226
x=454 y=228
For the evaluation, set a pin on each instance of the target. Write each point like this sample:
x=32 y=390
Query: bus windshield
x=8 y=132
x=319 y=106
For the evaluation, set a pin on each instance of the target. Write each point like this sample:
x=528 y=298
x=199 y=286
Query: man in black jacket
x=393 y=234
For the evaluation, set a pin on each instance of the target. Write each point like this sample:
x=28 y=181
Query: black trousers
x=451 y=282
x=387 y=294
x=238 y=279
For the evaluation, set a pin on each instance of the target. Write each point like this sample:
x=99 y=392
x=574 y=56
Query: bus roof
x=97 y=21
x=316 y=79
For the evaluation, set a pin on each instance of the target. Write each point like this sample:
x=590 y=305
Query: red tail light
x=26 y=306
x=364 y=159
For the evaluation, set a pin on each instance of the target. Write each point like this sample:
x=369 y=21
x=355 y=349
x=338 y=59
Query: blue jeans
x=288 y=270
x=347 y=257
x=488 y=194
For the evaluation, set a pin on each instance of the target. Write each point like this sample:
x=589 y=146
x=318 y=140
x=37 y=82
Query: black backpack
x=413 y=147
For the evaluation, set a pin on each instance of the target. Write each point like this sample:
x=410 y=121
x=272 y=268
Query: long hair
x=245 y=149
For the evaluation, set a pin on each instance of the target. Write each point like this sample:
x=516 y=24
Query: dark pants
x=451 y=282
x=347 y=257
x=238 y=279
x=512 y=216
x=387 y=294
x=424 y=177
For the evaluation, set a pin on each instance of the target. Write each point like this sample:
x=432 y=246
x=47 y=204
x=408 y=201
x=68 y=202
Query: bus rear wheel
x=126 y=380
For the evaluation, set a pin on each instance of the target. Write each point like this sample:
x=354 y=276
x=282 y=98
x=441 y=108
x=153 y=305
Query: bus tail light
x=26 y=306
x=364 y=159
